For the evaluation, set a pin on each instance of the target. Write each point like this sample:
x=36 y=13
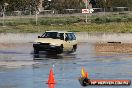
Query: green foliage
x=120 y=3
x=120 y=27
x=68 y=20
x=60 y=5
x=100 y=3
x=16 y=4
x=110 y=23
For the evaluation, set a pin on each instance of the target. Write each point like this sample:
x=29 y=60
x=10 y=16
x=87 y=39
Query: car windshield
x=54 y=35
x=49 y=35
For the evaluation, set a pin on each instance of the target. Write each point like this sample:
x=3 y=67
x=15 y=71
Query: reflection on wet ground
x=18 y=69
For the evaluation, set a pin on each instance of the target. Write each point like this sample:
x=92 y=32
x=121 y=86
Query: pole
x=36 y=12
x=4 y=7
x=30 y=10
x=4 y=16
x=105 y=8
x=36 y=18
x=86 y=8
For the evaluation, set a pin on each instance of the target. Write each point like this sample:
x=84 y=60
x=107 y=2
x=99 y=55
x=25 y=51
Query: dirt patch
x=114 y=47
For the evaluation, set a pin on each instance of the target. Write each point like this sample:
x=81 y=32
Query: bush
x=118 y=20
x=129 y=19
x=98 y=20
x=108 y=20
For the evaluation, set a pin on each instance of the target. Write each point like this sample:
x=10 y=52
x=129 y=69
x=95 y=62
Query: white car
x=55 y=41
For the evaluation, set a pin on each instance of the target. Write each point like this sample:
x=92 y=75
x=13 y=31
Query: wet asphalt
x=22 y=70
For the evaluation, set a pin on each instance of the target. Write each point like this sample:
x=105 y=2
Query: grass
x=122 y=27
x=109 y=23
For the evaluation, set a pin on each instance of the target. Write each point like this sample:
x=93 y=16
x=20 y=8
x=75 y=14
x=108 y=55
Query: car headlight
x=36 y=43
x=54 y=45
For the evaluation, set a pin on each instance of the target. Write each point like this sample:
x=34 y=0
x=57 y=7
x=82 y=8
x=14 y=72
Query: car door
x=73 y=39
x=67 y=42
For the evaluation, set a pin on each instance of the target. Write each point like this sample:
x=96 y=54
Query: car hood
x=49 y=40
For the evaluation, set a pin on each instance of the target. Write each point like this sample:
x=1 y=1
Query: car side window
x=69 y=36
x=73 y=36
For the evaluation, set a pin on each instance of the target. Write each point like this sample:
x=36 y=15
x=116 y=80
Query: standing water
x=18 y=69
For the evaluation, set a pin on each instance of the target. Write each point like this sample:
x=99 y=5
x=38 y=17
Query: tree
x=48 y=5
x=130 y=4
x=16 y=4
x=100 y=4
x=60 y=5
x=93 y=2
x=119 y=3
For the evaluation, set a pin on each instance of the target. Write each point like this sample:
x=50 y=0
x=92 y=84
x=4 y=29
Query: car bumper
x=40 y=47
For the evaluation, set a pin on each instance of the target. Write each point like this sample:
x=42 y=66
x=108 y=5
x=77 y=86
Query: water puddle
x=19 y=69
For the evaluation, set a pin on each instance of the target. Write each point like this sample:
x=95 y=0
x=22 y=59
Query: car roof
x=60 y=31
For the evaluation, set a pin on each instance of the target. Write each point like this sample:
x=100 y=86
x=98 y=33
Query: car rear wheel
x=74 y=48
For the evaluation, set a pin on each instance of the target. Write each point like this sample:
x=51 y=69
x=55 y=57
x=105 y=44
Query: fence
x=71 y=16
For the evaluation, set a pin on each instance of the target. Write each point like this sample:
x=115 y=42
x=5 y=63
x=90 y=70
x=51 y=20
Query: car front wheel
x=60 y=50
x=36 y=51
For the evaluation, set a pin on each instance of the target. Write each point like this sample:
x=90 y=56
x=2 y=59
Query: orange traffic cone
x=51 y=79
x=84 y=74
x=51 y=85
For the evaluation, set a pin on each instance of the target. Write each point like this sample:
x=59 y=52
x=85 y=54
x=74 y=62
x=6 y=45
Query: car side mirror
x=39 y=37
